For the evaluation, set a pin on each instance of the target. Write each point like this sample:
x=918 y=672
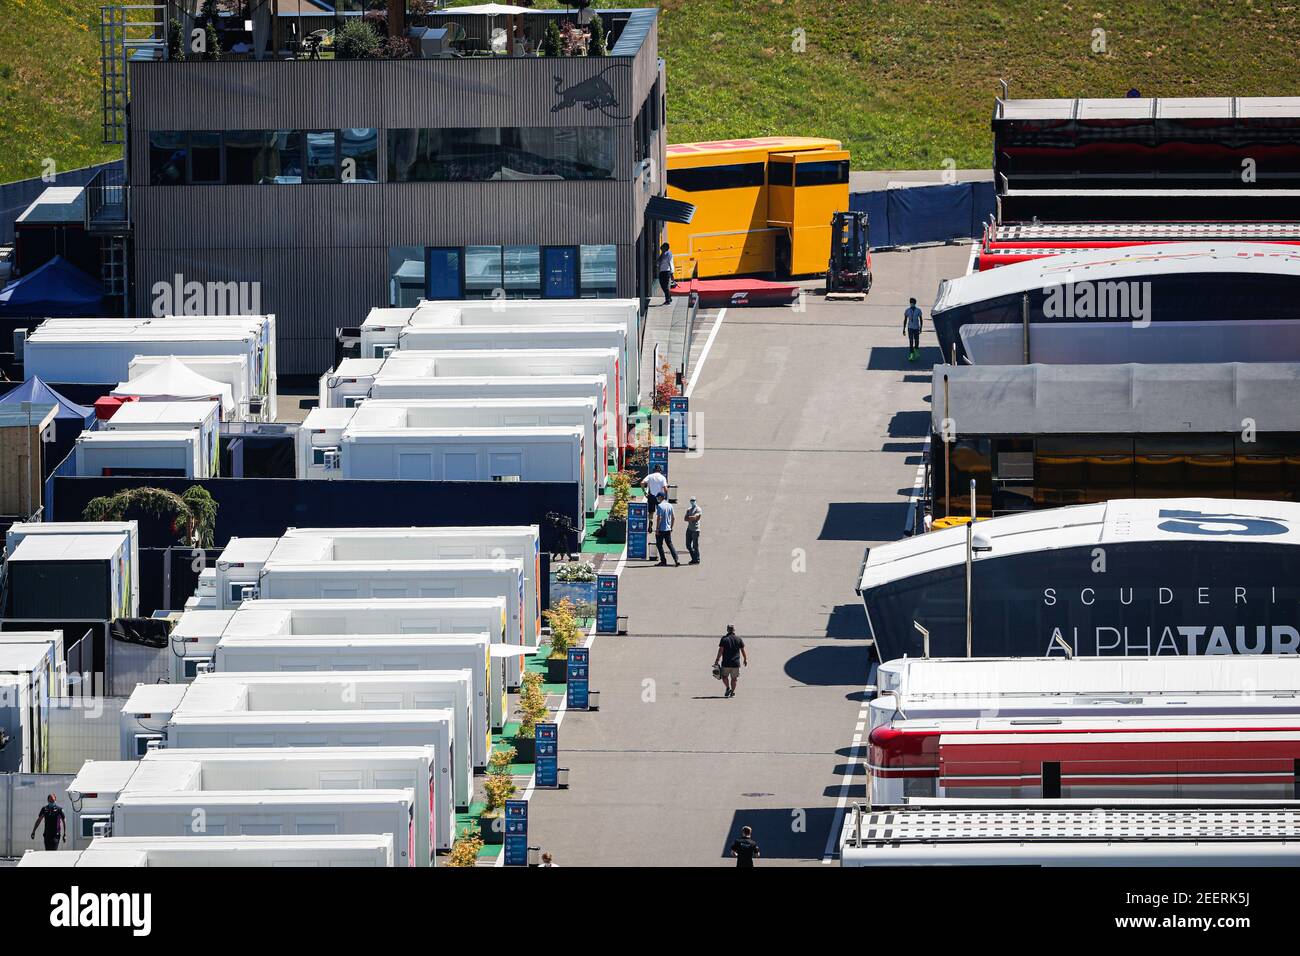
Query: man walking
x=664 y=521
x=731 y=651
x=56 y=824
x=693 y=531
x=666 y=272
x=655 y=485
x=912 y=326
x=745 y=849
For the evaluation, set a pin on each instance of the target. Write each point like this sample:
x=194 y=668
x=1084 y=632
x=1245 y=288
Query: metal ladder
x=113 y=269
x=126 y=32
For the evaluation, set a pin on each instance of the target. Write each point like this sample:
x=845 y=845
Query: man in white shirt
x=655 y=485
x=665 y=518
x=666 y=272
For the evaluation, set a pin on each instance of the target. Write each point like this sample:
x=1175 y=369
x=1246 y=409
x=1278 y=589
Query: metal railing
x=108 y=198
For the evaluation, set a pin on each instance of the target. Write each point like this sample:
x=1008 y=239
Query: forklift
x=848 y=275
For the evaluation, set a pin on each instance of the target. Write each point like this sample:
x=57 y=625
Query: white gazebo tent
x=174 y=381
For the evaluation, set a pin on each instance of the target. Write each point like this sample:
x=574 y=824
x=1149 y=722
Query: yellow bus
x=762 y=205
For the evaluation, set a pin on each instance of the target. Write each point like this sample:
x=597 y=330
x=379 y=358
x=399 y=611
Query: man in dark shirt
x=731 y=651
x=745 y=849
x=56 y=823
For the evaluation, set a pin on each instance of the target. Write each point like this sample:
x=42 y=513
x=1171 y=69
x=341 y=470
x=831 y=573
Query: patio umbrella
x=492 y=11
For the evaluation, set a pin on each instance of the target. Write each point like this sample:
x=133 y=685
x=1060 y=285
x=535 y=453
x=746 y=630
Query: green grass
x=905 y=84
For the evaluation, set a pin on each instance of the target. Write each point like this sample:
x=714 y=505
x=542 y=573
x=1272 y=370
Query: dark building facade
x=338 y=185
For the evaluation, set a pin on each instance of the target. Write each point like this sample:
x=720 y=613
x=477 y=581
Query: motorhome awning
x=663 y=209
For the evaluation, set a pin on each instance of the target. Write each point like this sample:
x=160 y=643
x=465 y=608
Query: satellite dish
x=455 y=32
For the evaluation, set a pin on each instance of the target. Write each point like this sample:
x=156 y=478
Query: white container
x=324 y=849
x=377 y=652
x=100 y=350
x=531 y=412
x=144 y=718
x=430 y=338
x=71 y=576
x=270 y=813
x=348 y=383
x=232 y=370
x=99 y=783
x=238 y=567
x=342 y=730
x=171 y=453
x=194 y=639
x=204 y=417
x=354 y=690
x=467 y=454
x=68 y=859
x=52 y=641
x=317 y=442
x=25 y=680
x=22 y=529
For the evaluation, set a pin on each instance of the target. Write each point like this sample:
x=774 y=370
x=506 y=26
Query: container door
x=444 y=273
x=415 y=466
x=560 y=272
x=506 y=464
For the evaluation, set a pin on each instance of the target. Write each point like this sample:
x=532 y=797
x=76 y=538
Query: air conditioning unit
x=250 y=592
x=194 y=666
x=331 y=459
x=89 y=822
x=146 y=742
x=505 y=478
x=254 y=407
x=352 y=401
x=387 y=350
x=203 y=667
x=101 y=828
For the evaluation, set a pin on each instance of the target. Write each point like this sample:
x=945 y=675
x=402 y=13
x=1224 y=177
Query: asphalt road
x=809 y=429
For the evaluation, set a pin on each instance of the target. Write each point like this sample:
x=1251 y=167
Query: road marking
x=918 y=488
x=708 y=344
x=841 y=805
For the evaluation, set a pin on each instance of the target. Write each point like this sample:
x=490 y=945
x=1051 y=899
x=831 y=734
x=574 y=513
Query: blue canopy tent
x=70 y=420
x=58 y=288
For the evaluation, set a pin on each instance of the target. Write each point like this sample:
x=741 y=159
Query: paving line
x=837 y=824
x=918 y=488
x=708 y=344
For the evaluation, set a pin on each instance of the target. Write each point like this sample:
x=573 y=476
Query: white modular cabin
x=375 y=652
x=100 y=350
x=21 y=529
x=317 y=442
x=204 y=417
x=530 y=412
x=71 y=576
x=432 y=338
x=468 y=454
x=168 y=453
x=348 y=383
x=26 y=675
x=53 y=642
x=271 y=813
x=355 y=690
x=337 y=730
x=99 y=783
x=232 y=370
x=323 y=849
x=238 y=567
x=194 y=638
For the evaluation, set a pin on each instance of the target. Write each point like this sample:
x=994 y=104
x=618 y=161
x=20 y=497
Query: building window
x=780 y=174
x=168 y=155
x=257 y=157
x=522 y=271
x=405 y=275
x=829 y=173
x=444 y=273
x=506 y=153
x=205 y=157
x=599 y=271
x=322 y=163
x=482 y=271
x=361 y=148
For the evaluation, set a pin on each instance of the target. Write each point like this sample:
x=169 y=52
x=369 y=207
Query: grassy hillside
x=49 y=85
x=904 y=83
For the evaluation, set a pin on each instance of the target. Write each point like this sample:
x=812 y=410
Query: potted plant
x=464 y=852
x=615 y=527
x=532 y=708
x=497 y=789
x=565 y=634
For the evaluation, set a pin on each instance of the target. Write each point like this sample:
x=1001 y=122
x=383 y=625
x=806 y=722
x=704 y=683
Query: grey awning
x=663 y=209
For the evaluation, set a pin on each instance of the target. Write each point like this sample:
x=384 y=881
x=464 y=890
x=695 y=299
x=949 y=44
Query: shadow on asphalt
x=853 y=791
x=848 y=621
x=903 y=446
x=888 y=358
x=863 y=520
x=784 y=833
x=829 y=666
x=909 y=424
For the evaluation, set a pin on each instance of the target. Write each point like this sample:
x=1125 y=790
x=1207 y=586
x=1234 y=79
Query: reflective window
x=482 y=271
x=599 y=271
x=322 y=165
x=360 y=155
x=522 y=271
x=405 y=275
x=444 y=275
x=829 y=173
x=780 y=174
x=704 y=178
x=482 y=155
x=167 y=158
x=258 y=157
x=205 y=157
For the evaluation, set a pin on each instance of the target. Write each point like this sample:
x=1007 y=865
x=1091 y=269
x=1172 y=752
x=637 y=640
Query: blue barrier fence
x=17 y=196
x=912 y=215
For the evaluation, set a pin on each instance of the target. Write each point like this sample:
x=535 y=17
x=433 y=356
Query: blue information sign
x=547 y=740
x=678 y=423
x=659 y=456
x=638 y=530
x=516 y=839
x=606 y=604
x=576 y=684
